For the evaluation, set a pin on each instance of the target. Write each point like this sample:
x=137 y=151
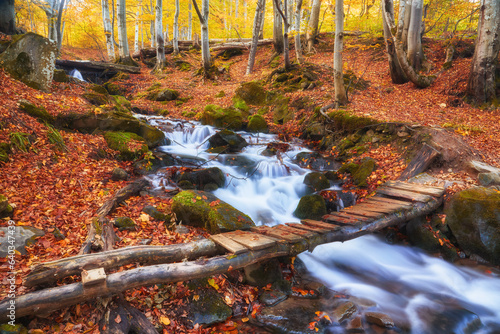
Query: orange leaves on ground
x=214 y=203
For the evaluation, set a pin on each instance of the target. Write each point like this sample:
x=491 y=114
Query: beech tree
x=398 y=76
x=7 y=17
x=175 y=40
x=277 y=27
x=257 y=22
x=338 y=76
x=298 y=46
x=108 y=31
x=53 y=10
x=205 y=47
x=312 y=28
x=123 y=49
x=286 y=44
x=160 y=43
x=482 y=84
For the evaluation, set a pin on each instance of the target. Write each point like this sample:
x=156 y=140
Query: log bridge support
x=394 y=203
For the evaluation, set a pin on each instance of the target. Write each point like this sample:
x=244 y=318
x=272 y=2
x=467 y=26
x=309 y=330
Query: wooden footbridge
x=394 y=203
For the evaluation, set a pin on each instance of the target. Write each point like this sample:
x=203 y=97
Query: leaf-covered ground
x=53 y=189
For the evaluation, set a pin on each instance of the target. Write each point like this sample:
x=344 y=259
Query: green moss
x=361 y=174
x=220 y=94
x=240 y=105
x=124 y=223
x=130 y=145
x=310 y=207
x=96 y=98
x=113 y=89
x=120 y=76
x=316 y=181
x=188 y=113
x=5 y=150
x=253 y=93
x=349 y=167
x=154 y=86
x=228 y=118
x=34 y=111
x=13 y=329
x=20 y=141
x=257 y=123
x=121 y=103
x=348 y=122
x=60 y=76
x=281 y=112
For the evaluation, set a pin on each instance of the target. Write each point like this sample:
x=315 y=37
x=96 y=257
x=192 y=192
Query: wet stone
x=344 y=311
x=379 y=319
x=119 y=174
x=272 y=297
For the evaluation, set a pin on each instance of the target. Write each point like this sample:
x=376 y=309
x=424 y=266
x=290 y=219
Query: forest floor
x=62 y=190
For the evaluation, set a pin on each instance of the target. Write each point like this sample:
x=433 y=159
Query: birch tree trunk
x=123 y=49
x=414 y=36
x=261 y=33
x=205 y=47
x=397 y=74
x=190 y=22
x=175 y=40
x=298 y=46
x=257 y=22
x=338 y=76
x=137 y=18
x=107 y=30
x=160 y=43
x=277 y=27
x=312 y=29
x=286 y=44
x=482 y=84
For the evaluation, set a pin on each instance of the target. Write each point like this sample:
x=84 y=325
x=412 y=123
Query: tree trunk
x=481 y=86
x=261 y=33
x=414 y=36
x=398 y=76
x=406 y=23
x=205 y=45
x=7 y=17
x=312 y=28
x=259 y=12
x=338 y=77
x=190 y=22
x=277 y=28
x=175 y=41
x=137 y=18
x=122 y=29
x=298 y=46
x=107 y=30
x=59 y=25
x=161 y=62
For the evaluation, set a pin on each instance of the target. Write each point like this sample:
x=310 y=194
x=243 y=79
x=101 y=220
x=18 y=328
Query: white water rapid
x=421 y=292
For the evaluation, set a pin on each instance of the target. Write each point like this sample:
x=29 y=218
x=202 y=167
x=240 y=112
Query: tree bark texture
x=205 y=41
x=338 y=75
x=312 y=27
x=277 y=28
x=286 y=44
x=298 y=46
x=175 y=40
x=414 y=53
x=259 y=12
x=122 y=29
x=398 y=76
x=161 y=61
x=482 y=86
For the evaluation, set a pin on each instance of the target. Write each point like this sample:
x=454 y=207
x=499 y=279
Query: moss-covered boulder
x=473 y=215
x=60 y=76
x=208 y=307
x=159 y=94
x=38 y=112
x=348 y=122
x=96 y=99
x=281 y=112
x=227 y=118
x=119 y=174
x=203 y=209
x=316 y=161
x=257 y=123
x=31 y=59
x=228 y=140
x=203 y=177
x=253 y=93
x=5 y=150
x=151 y=164
x=157 y=215
x=130 y=145
x=310 y=207
x=113 y=89
x=13 y=329
x=316 y=181
x=121 y=104
x=366 y=167
x=124 y=223
x=98 y=89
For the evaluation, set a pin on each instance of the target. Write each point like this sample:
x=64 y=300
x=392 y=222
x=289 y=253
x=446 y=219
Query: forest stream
x=421 y=293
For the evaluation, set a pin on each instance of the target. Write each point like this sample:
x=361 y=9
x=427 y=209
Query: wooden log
x=132 y=189
x=420 y=162
x=96 y=66
x=50 y=272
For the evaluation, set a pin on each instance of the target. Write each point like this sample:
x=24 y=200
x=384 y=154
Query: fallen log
x=49 y=300
x=50 y=272
x=420 y=162
x=96 y=66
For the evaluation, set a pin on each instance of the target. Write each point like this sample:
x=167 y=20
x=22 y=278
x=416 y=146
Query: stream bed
x=421 y=293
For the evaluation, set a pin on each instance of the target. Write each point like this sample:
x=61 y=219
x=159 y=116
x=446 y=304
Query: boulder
x=240 y=162
x=151 y=165
x=23 y=236
x=253 y=93
x=203 y=209
x=60 y=76
x=208 y=307
x=316 y=161
x=316 y=181
x=124 y=223
x=257 y=123
x=119 y=174
x=31 y=59
x=489 y=179
x=130 y=145
x=310 y=207
x=262 y=274
x=227 y=118
x=338 y=199
x=228 y=140
x=359 y=172
x=167 y=95
x=473 y=215
x=155 y=214
x=203 y=177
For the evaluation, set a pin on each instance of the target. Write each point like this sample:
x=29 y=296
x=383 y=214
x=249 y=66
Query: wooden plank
x=377 y=208
x=302 y=233
x=311 y=228
x=417 y=188
x=379 y=199
x=328 y=226
x=93 y=276
x=420 y=162
x=398 y=193
x=343 y=218
x=251 y=240
x=363 y=213
x=229 y=244
x=277 y=233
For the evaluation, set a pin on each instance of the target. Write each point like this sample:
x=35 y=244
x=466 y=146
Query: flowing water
x=423 y=293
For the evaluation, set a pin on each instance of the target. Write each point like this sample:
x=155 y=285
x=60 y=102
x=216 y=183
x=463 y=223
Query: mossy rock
x=60 y=76
x=310 y=207
x=473 y=216
x=120 y=76
x=220 y=94
x=203 y=209
x=346 y=121
x=257 y=123
x=5 y=150
x=5 y=207
x=96 y=98
x=98 y=89
x=182 y=65
x=38 y=112
x=113 y=89
x=316 y=181
x=151 y=165
x=281 y=112
x=366 y=167
x=166 y=95
x=201 y=178
x=349 y=167
x=13 y=329
x=124 y=223
x=228 y=140
x=253 y=93
x=156 y=214
x=316 y=161
x=264 y=273
x=208 y=308
x=240 y=162
x=227 y=118
x=119 y=174
x=241 y=106
x=121 y=103
x=130 y=145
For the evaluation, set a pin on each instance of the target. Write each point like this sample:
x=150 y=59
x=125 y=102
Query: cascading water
x=422 y=293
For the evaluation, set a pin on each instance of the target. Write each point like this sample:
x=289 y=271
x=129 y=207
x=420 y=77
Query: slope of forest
x=59 y=189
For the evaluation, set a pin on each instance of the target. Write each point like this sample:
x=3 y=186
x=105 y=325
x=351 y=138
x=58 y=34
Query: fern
x=20 y=141
x=55 y=138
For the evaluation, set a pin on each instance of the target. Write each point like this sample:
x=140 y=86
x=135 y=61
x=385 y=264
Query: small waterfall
x=76 y=74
